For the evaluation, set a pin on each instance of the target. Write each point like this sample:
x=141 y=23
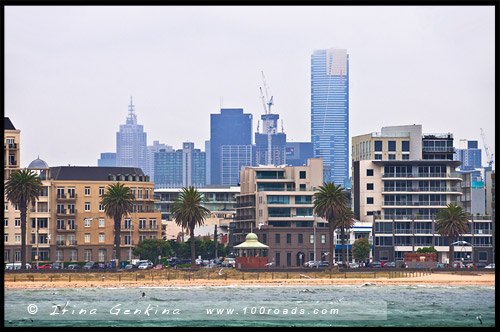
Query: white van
x=16 y=266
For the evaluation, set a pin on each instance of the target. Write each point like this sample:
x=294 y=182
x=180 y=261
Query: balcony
x=421 y=175
x=67 y=228
x=66 y=243
x=449 y=149
x=67 y=196
x=433 y=189
x=414 y=203
x=148 y=229
x=12 y=146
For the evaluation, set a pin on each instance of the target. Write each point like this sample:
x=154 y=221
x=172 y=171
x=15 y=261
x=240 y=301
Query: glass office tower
x=330 y=110
x=230 y=145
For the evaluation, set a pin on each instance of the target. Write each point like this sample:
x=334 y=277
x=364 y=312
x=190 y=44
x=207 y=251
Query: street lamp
x=461 y=250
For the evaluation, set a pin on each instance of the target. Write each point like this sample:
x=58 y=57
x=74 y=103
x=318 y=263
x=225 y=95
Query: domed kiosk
x=251 y=253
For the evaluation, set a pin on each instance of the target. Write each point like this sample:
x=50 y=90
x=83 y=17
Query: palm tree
x=189 y=213
x=24 y=186
x=117 y=202
x=345 y=220
x=329 y=202
x=452 y=222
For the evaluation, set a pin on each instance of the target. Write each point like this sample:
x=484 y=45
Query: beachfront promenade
x=222 y=277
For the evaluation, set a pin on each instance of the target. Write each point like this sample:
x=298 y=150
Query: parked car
x=376 y=264
x=390 y=264
x=73 y=267
x=45 y=267
x=311 y=264
x=480 y=265
x=130 y=266
x=91 y=265
x=57 y=266
x=144 y=266
x=323 y=264
x=145 y=261
x=229 y=262
x=198 y=261
x=490 y=266
x=158 y=267
x=16 y=266
x=353 y=265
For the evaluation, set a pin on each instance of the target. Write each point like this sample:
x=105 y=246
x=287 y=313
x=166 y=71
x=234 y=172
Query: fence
x=209 y=274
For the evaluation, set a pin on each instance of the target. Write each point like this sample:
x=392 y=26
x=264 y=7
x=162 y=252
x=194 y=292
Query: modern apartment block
x=180 y=168
x=220 y=200
x=68 y=223
x=151 y=150
x=401 y=194
x=11 y=148
x=330 y=110
x=276 y=203
x=131 y=142
x=469 y=154
x=230 y=145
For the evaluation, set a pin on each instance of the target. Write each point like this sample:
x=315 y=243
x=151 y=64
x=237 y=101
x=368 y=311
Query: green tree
x=152 y=248
x=345 y=221
x=361 y=249
x=22 y=188
x=329 y=202
x=117 y=202
x=189 y=213
x=452 y=222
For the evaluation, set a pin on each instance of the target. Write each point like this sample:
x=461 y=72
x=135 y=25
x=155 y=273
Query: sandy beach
x=449 y=279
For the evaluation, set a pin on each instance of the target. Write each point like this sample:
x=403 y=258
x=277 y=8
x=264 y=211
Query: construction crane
x=267 y=119
x=487 y=150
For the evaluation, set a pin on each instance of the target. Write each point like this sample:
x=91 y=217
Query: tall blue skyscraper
x=231 y=130
x=330 y=110
x=131 y=142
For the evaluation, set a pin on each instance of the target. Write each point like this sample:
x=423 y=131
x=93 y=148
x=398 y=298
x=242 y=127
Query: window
x=101 y=207
x=59 y=255
x=369 y=172
x=369 y=200
x=87 y=206
x=289 y=238
x=87 y=191
x=302 y=187
x=101 y=191
x=302 y=174
x=73 y=255
x=392 y=146
x=86 y=222
x=301 y=238
x=101 y=222
x=60 y=240
x=17 y=222
x=288 y=259
x=127 y=239
x=311 y=238
x=88 y=255
x=87 y=238
x=142 y=223
x=277 y=238
x=378 y=156
x=378 y=146
x=405 y=146
x=392 y=157
x=323 y=238
x=369 y=186
x=6 y=206
x=6 y=222
x=102 y=255
x=277 y=259
x=101 y=237
x=405 y=157
x=17 y=238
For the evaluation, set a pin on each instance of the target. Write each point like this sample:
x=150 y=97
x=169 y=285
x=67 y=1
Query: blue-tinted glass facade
x=330 y=110
x=297 y=153
x=179 y=168
x=231 y=127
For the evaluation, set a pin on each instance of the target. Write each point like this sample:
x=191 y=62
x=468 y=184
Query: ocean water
x=205 y=306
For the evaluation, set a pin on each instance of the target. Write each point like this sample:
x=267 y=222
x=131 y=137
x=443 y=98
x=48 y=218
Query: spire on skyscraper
x=132 y=117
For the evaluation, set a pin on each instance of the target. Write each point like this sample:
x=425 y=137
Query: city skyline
x=65 y=78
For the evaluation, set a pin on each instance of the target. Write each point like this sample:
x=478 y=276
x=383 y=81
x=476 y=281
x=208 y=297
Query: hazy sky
x=70 y=71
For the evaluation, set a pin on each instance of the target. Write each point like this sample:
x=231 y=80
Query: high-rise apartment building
x=270 y=141
x=180 y=168
x=150 y=157
x=131 y=142
x=469 y=154
x=401 y=193
x=230 y=145
x=330 y=110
